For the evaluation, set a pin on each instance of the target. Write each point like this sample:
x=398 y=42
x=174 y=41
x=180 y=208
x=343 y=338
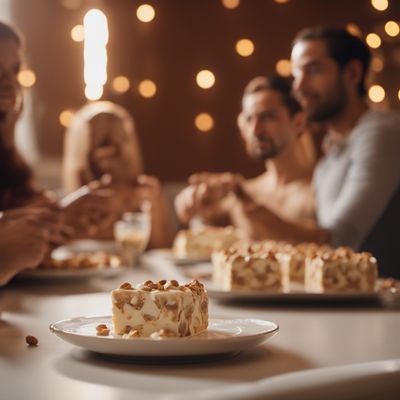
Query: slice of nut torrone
x=159 y=309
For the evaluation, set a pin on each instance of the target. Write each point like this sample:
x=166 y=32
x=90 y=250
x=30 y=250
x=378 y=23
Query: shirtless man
x=272 y=126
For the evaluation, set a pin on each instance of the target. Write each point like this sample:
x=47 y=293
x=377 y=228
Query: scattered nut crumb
x=103 y=332
x=100 y=327
x=31 y=340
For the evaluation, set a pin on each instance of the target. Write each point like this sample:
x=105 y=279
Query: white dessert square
x=162 y=309
x=293 y=259
x=200 y=243
x=341 y=270
x=254 y=268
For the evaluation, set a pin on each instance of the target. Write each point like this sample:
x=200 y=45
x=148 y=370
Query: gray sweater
x=356 y=184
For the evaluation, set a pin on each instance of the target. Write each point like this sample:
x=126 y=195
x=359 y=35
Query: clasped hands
x=223 y=197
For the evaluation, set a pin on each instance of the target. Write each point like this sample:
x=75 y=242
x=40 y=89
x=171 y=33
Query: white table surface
x=311 y=336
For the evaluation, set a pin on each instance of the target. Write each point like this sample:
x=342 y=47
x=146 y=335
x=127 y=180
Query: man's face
x=10 y=61
x=318 y=82
x=266 y=125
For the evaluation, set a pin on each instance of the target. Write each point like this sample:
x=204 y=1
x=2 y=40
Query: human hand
x=25 y=234
x=257 y=222
x=205 y=195
x=89 y=211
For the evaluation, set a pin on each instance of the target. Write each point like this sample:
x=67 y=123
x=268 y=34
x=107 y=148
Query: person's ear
x=240 y=123
x=299 y=122
x=352 y=73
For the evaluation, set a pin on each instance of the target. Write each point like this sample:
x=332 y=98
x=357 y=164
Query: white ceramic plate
x=69 y=274
x=75 y=247
x=297 y=294
x=223 y=336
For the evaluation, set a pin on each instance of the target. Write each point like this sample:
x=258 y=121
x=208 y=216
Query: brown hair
x=277 y=83
x=7 y=32
x=16 y=187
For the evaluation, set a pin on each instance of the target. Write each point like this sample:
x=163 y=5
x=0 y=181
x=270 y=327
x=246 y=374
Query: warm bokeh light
x=245 y=47
x=284 y=67
x=145 y=13
x=392 y=28
x=204 y=122
x=65 y=117
x=377 y=64
x=78 y=33
x=380 y=5
x=205 y=79
x=354 y=30
x=281 y=1
x=231 y=4
x=93 y=92
x=398 y=94
x=121 y=84
x=147 y=88
x=95 y=53
x=376 y=93
x=373 y=40
x=26 y=78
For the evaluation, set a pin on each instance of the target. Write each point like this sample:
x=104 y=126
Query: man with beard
x=272 y=126
x=357 y=183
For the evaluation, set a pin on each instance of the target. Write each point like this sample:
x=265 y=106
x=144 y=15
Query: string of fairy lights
x=93 y=32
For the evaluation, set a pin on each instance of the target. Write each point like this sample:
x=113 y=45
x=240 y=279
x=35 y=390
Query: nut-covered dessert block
x=293 y=258
x=200 y=243
x=340 y=270
x=84 y=260
x=251 y=268
x=160 y=309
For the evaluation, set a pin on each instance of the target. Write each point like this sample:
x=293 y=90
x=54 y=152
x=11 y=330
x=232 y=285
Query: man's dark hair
x=7 y=32
x=277 y=83
x=341 y=46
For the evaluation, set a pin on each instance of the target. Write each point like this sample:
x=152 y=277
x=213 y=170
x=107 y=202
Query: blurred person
x=17 y=187
x=25 y=235
x=101 y=145
x=357 y=182
x=272 y=126
x=101 y=139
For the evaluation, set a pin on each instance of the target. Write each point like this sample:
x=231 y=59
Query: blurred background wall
x=183 y=38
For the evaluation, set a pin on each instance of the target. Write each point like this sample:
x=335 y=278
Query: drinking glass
x=132 y=233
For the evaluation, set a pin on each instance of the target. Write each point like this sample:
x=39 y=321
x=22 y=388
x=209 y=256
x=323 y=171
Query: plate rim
x=71 y=273
x=298 y=296
x=54 y=329
x=232 y=342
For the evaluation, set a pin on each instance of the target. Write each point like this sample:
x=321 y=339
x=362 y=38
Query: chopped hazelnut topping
x=100 y=327
x=126 y=286
x=31 y=340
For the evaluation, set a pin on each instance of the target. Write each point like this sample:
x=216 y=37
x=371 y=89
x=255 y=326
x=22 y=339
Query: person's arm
x=258 y=222
x=371 y=180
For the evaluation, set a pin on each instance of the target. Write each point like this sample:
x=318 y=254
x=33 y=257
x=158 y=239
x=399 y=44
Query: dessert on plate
x=278 y=267
x=160 y=309
x=82 y=260
x=251 y=267
x=201 y=242
x=341 y=270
